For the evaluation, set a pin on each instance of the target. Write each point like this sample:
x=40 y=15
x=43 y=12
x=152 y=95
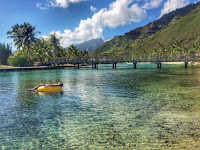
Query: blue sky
x=75 y=21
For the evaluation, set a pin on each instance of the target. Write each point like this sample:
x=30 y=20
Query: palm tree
x=158 y=51
x=73 y=51
x=193 y=50
x=85 y=53
x=54 y=41
x=144 y=53
x=24 y=35
x=28 y=36
x=161 y=51
x=40 y=49
x=16 y=34
x=62 y=52
x=177 y=48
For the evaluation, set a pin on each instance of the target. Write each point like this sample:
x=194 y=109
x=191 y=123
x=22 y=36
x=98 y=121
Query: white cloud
x=172 y=5
x=63 y=3
x=42 y=6
x=57 y=3
x=93 y=9
x=119 y=13
x=152 y=4
x=122 y=12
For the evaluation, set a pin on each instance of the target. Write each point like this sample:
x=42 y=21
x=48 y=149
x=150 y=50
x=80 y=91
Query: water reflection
x=54 y=93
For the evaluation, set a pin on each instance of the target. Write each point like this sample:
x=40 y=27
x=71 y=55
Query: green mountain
x=182 y=25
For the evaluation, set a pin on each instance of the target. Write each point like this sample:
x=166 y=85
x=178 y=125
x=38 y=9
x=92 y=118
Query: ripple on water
x=102 y=109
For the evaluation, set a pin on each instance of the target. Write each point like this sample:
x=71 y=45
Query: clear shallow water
x=145 y=108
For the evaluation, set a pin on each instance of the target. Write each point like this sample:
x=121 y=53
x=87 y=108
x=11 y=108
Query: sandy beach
x=11 y=68
x=6 y=67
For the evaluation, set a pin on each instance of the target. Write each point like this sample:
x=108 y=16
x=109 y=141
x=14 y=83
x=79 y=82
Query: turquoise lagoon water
x=125 y=108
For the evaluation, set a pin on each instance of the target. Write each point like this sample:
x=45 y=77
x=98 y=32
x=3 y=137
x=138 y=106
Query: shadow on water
x=30 y=99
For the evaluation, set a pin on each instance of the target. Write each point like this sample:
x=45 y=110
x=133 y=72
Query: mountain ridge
x=90 y=45
x=137 y=36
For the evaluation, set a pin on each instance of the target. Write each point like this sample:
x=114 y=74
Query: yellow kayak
x=49 y=89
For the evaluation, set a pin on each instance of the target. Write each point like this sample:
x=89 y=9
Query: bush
x=20 y=60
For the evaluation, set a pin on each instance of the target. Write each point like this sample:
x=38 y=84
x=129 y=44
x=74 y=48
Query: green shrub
x=20 y=60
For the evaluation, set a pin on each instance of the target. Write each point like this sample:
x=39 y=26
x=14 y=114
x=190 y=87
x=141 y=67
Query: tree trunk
x=29 y=55
x=55 y=50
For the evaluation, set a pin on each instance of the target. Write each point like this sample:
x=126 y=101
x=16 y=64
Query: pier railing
x=121 y=59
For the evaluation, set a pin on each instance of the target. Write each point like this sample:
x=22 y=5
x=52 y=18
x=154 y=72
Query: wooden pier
x=94 y=62
x=61 y=62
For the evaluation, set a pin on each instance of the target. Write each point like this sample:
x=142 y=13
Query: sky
x=76 y=21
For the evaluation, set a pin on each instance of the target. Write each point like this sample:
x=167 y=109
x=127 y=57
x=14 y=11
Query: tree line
x=175 y=50
x=5 y=52
x=32 y=49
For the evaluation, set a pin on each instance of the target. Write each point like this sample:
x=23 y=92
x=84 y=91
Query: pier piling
x=186 y=64
x=135 y=65
x=159 y=65
x=95 y=66
x=114 y=65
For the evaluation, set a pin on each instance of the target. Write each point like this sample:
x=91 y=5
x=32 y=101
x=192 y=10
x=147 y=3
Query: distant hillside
x=178 y=25
x=185 y=30
x=90 y=45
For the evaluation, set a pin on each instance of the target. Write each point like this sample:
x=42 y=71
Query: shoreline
x=167 y=63
x=6 y=68
x=170 y=63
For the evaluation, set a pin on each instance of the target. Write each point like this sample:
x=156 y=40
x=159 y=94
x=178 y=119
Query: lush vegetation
x=24 y=35
x=175 y=34
x=20 y=60
x=185 y=31
x=37 y=49
x=5 y=52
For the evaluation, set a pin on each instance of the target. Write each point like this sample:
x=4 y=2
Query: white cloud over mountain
x=152 y=4
x=172 y=5
x=119 y=13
